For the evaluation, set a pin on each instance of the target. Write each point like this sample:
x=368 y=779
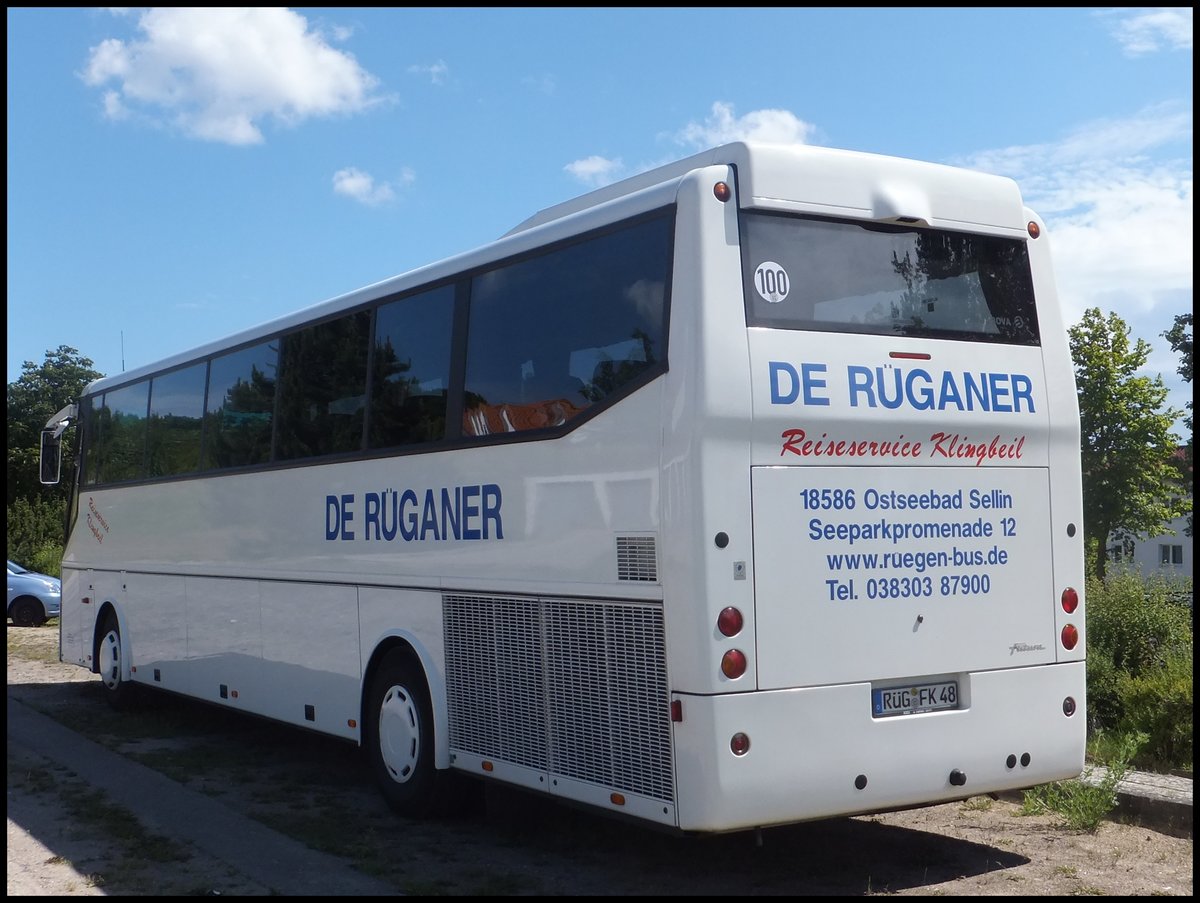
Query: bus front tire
x=398 y=735
x=119 y=692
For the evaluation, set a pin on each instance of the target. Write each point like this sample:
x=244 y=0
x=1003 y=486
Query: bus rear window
x=840 y=276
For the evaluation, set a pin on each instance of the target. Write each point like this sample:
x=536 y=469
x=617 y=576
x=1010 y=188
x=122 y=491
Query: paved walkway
x=287 y=867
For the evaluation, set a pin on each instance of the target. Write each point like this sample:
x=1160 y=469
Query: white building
x=1164 y=555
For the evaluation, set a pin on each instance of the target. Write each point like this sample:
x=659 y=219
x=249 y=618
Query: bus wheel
x=118 y=691
x=398 y=735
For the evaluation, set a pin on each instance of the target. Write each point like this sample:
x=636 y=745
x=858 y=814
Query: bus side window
x=89 y=419
x=241 y=403
x=411 y=369
x=323 y=388
x=552 y=335
x=176 y=415
x=123 y=433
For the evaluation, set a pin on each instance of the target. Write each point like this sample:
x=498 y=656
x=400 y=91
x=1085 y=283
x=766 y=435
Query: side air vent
x=637 y=559
x=573 y=687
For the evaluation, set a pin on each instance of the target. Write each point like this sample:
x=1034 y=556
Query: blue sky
x=175 y=176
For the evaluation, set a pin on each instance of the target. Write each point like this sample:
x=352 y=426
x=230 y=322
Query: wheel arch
x=23 y=597
x=423 y=660
x=40 y=614
x=106 y=610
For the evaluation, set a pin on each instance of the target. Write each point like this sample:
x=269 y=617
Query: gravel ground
x=314 y=789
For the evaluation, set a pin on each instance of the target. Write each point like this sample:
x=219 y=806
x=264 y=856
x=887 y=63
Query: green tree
x=39 y=392
x=1180 y=337
x=1130 y=481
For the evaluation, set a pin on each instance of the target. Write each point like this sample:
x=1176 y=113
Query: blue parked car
x=32 y=597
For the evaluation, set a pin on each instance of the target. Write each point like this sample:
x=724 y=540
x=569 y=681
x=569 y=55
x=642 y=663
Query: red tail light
x=733 y=663
x=1070 y=636
x=1070 y=600
x=729 y=621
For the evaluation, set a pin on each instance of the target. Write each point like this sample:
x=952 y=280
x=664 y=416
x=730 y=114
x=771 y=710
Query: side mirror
x=50 y=458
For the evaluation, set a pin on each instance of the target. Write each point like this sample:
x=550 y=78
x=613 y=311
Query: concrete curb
x=277 y=862
x=1161 y=802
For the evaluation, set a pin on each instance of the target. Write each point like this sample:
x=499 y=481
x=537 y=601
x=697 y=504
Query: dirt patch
x=315 y=789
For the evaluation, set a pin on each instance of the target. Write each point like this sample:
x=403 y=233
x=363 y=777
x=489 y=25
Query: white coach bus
x=739 y=493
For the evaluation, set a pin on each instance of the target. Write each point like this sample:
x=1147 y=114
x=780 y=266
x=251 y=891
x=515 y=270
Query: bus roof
x=840 y=182
x=835 y=183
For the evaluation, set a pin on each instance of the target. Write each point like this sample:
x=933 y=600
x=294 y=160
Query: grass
x=90 y=813
x=977 y=804
x=28 y=643
x=1085 y=803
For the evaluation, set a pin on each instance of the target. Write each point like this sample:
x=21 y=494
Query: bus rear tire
x=120 y=693
x=398 y=735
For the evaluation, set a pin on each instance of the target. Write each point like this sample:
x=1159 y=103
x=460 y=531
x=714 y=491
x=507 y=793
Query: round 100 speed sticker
x=771 y=281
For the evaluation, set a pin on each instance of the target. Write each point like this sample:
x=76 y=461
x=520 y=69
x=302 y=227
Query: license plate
x=913 y=699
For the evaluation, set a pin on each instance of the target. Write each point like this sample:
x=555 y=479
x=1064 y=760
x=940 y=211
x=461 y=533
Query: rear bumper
x=811 y=749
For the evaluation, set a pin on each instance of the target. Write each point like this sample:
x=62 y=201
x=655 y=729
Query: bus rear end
x=916 y=628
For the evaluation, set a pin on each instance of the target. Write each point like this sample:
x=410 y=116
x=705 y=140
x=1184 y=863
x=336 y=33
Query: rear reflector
x=733 y=663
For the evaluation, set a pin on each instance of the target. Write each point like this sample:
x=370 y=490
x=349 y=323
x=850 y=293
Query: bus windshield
x=814 y=274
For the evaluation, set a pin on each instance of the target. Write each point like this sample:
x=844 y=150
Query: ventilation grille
x=578 y=689
x=493 y=681
x=637 y=559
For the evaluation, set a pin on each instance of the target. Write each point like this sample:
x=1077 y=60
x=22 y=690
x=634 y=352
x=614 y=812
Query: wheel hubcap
x=399 y=734
x=110 y=659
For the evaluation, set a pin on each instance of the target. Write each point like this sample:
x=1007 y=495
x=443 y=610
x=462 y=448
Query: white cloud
x=1131 y=240
x=1142 y=31
x=435 y=72
x=722 y=127
x=1118 y=205
x=1102 y=140
x=218 y=73
x=1117 y=199
x=595 y=170
x=362 y=187
x=113 y=108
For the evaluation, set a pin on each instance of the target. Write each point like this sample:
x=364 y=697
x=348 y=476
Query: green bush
x=1134 y=622
x=1103 y=694
x=35 y=529
x=1139 y=668
x=1158 y=703
x=46 y=560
